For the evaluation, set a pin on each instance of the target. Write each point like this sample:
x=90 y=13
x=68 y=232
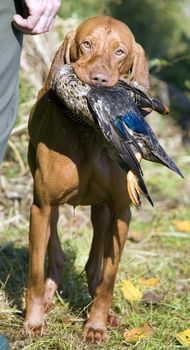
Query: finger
x=51 y=12
x=56 y=7
x=45 y=23
x=26 y=25
x=51 y=25
x=42 y=25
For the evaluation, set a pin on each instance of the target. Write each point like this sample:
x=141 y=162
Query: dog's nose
x=99 y=78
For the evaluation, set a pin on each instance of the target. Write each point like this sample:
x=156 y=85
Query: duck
x=124 y=126
x=118 y=115
x=115 y=106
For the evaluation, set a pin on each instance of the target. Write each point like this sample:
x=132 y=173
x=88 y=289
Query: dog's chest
x=74 y=169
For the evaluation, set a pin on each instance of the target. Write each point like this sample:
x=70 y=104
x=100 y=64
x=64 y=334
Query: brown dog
x=70 y=166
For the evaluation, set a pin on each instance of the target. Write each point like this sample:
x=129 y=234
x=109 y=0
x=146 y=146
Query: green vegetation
x=83 y=8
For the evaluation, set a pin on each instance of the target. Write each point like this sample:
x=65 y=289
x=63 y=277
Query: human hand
x=40 y=16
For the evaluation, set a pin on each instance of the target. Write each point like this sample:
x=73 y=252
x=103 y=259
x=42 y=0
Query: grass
x=164 y=258
x=162 y=252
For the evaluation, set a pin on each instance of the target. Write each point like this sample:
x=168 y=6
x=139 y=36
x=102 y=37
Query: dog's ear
x=62 y=56
x=140 y=72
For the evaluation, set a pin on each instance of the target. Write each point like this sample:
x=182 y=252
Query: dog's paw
x=50 y=289
x=114 y=320
x=34 y=330
x=34 y=323
x=94 y=333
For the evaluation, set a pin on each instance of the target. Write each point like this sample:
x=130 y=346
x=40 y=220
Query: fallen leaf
x=184 y=338
x=130 y=292
x=183 y=225
x=136 y=334
x=151 y=298
x=149 y=282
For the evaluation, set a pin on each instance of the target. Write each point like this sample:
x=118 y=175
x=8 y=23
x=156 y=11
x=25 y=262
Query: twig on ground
x=10 y=221
x=19 y=128
x=172 y=234
x=17 y=155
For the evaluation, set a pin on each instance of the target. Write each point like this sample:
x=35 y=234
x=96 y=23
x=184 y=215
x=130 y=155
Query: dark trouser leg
x=11 y=45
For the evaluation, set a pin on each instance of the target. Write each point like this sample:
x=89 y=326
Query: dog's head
x=101 y=50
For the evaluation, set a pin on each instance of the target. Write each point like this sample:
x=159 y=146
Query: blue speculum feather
x=119 y=125
x=135 y=122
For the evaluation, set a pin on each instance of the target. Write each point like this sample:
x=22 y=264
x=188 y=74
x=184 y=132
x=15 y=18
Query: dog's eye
x=87 y=44
x=119 y=52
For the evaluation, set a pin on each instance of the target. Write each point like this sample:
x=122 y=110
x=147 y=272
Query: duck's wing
x=157 y=154
x=105 y=104
x=143 y=100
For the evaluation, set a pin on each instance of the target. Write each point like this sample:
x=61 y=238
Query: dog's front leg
x=56 y=259
x=38 y=241
x=100 y=218
x=95 y=328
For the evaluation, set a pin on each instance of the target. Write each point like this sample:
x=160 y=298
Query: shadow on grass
x=73 y=287
x=14 y=274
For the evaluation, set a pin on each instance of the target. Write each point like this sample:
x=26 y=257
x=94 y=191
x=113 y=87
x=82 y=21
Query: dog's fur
x=70 y=166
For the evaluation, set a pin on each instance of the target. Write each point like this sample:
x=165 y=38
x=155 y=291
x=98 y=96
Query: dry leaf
x=151 y=298
x=184 y=338
x=149 y=282
x=183 y=225
x=136 y=334
x=130 y=292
